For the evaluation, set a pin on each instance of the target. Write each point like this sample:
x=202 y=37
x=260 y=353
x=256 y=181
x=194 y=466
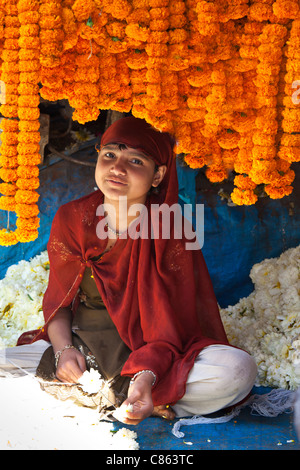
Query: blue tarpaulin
x=248 y=431
x=235 y=238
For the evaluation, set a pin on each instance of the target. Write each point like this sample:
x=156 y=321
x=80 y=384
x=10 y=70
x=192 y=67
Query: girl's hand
x=138 y=405
x=71 y=366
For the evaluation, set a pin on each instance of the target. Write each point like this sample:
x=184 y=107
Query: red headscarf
x=158 y=294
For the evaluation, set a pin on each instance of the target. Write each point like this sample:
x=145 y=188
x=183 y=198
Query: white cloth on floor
x=26 y=357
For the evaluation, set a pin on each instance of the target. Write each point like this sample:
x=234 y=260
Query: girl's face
x=127 y=172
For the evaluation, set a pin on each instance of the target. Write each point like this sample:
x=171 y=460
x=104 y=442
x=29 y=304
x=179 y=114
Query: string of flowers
x=264 y=155
x=289 y=150
x=9 y=111
x=28 y=112
x=51 y=38
x=157 y=51
x=220 y=75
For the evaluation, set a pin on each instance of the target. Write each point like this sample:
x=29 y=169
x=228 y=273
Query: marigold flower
x=25 y=236
x=243 y=197
x=28 y=114
x=29 y=126
x=263 y=152
x=286 y=8
x=8 y=175
x=28 y=183
x=216 y=173
x=7 y=203
x=28 y=148
x=26 y=196
x=278 y=192
x=9 y=138
x=31 y=223
x=27 y=210
x=30 y=101
x=8 y=189
x=194 y=161
x=29 y=42
x=136 y=31
x=7 y=237
x=28 y=17
x=244 y=182
x=85 y=115
x=8 y=162
x=290 y=154
x=119 y=10
x=229 y=140
x=29 y=30
x=159 y=24
x=9 y=125
x=8 y=150
x=29 y=159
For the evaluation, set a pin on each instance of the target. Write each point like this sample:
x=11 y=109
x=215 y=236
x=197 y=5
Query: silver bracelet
x=59 y=353
x=141 y=372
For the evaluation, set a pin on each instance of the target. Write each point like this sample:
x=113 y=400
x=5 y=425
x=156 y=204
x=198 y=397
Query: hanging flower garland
x=51 y=38
x=28 y=112
x=86 y=90
x=9 y=109
x=289 y=145
x=264 y=155
x=220 y=75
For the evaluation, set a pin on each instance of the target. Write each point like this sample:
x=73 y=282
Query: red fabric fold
x=158 y=294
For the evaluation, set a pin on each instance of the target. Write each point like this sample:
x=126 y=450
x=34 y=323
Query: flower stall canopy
x=222 y=76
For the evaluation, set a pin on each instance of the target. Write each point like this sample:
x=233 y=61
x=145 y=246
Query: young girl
x=141 y=309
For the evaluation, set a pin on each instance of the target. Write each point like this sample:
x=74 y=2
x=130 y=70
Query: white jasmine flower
x=126 y=439
x=267 y=323
x=21 y=296
x=120 y=413
x=91 y=381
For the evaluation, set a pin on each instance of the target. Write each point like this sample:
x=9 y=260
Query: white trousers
x=221 y=376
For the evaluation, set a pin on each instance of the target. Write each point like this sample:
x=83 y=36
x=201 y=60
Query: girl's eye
x=109 y=154
x=137 y=161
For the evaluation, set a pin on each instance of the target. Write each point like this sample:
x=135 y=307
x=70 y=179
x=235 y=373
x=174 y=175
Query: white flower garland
x=266 y=324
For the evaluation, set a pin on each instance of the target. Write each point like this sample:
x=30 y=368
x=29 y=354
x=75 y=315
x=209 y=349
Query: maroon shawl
x=158 y=294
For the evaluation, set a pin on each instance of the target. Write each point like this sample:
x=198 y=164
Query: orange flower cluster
x=28 y=113
x=220 y=75
x=9 y=111
x=20 y=126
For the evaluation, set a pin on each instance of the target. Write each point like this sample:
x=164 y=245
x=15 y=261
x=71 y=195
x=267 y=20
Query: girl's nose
x=118 y=167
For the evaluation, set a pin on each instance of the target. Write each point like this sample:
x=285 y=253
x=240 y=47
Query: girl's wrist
x=151 y=377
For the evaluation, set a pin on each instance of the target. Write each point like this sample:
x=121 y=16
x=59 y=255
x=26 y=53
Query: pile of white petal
x=21 y=296
x=267 y=323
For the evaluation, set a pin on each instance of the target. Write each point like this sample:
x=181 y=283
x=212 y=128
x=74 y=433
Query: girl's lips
x=116 y=181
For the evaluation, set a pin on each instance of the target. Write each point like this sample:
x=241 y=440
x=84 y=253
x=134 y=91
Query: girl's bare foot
x=164 y=411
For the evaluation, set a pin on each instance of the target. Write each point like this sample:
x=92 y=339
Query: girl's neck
x=119 y=216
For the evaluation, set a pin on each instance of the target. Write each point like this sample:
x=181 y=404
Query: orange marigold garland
x=86 y=88
x=28 y=113
x=289 y=145
x=222 y=75
x=9 y=109
x=157 y=50
x=51 y=40
x=264 y=168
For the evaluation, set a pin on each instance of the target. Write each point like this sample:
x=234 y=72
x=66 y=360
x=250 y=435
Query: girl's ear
x=159 y=175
